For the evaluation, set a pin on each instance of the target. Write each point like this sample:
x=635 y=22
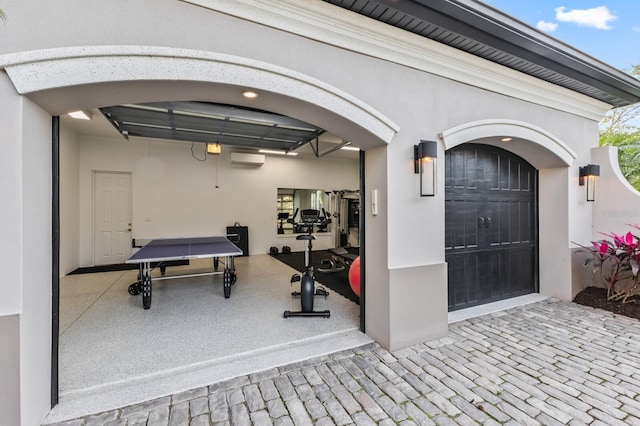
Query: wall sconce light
x=589 y=173
x=214 y=148
x=424 y=155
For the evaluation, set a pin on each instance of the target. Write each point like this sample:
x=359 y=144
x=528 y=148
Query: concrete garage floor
x=544 y=363
x=114 y=353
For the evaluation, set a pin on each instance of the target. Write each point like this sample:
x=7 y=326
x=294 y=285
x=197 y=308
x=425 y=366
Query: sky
x=608 y=30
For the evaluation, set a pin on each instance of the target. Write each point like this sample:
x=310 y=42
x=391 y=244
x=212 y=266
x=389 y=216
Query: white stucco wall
x=11 y=247
x=405 y=240
x=69 y=202
x=617 y=203
x=25 y=305
x=36 y=311
x=11 y=189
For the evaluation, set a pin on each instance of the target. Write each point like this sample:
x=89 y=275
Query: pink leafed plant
x=617 y=260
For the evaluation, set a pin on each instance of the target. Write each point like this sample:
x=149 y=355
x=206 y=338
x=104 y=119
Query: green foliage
x=3 y=15
x=628 y=145
x=619 y=128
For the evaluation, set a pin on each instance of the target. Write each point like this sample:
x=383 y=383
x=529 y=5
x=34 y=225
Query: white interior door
x=112 y=217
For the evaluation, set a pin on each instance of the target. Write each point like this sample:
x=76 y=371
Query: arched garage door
x=491 y=225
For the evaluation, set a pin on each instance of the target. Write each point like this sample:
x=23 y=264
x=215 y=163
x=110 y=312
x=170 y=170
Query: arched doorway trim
x=36 y=72
x=554 y=152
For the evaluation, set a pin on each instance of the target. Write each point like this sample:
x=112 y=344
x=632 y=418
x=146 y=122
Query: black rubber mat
x=336 y=281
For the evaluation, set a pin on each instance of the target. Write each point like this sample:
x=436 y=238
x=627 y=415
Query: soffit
x=483 y=31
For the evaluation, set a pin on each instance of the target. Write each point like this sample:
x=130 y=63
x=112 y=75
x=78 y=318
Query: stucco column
x=25 y=226
x=555 y=253
x=406 y=276
x=10 y=244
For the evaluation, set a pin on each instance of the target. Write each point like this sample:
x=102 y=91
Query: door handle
x=487 y=222
x=480 y=222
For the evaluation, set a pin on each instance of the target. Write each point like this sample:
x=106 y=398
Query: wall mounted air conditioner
x=246 y=158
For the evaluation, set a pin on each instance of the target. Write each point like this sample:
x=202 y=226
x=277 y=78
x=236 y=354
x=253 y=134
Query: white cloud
x=597 y=17
x=636 y=29
x=547 y=27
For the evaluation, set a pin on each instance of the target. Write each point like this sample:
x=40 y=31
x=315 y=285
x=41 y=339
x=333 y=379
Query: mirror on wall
x=339 y=213
x=292 y=201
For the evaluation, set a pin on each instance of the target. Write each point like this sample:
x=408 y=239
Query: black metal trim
x=363 y=245
x=55 y=256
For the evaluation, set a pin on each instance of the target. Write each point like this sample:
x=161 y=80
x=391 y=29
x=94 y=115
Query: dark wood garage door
x=491 y=225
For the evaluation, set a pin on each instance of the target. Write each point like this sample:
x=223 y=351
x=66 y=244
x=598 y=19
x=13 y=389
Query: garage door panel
x=491 y=225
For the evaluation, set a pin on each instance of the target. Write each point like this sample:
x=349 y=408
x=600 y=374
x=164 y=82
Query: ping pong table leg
x=232 y=267
x=227 y=282
x=229 y=276
x=216 y=263
x=145 y=278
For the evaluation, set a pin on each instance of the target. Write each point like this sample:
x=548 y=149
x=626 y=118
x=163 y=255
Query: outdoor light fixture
x=589 y=173
x=250 y=94
x=424 y=155
x=214 y=148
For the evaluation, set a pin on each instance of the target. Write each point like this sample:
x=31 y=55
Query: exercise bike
x=308 y=290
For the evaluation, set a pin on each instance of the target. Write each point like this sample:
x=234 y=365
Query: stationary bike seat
x=306 y=237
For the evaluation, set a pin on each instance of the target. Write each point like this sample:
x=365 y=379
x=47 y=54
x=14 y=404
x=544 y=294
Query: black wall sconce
x=424 y=155
x=588 y=174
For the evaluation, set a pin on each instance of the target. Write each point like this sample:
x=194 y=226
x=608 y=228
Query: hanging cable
x=194 y=155
x=217 y=172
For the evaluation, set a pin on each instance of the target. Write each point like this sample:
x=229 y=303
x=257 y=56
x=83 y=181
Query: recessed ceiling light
x=507 y=139
x=81 y=115
x=250 y=94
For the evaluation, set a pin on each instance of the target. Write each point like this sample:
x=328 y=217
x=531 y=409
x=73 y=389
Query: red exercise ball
x=354 y=276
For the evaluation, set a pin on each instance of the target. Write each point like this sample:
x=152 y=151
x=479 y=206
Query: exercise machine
x=345 y=208
x=310 y=217
x=334 y=264
x=282 y=217
x=308 y=289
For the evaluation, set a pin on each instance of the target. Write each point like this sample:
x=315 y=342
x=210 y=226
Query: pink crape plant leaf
x=617 y=259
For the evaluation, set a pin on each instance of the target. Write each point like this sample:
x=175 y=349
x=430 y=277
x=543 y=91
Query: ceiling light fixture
x=81 y=115
x=506 y=139
x=250 y=94
x=350 y=148
x=269 y=151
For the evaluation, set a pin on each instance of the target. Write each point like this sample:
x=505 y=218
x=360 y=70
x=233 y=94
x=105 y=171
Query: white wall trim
x=482 y=129
x=40 y=70
x=319 y=21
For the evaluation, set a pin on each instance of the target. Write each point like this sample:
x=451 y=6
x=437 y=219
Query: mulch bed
x=596 y=297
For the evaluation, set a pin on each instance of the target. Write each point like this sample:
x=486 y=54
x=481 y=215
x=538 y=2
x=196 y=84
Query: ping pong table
x=159 y=251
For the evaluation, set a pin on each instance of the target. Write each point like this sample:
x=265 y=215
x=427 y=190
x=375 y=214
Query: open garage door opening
x=176 y=188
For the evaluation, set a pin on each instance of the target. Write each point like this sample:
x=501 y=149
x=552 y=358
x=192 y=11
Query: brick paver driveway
x=549 y=362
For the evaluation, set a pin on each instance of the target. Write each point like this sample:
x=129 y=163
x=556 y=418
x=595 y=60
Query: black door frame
x=363 y=245
x=55 y=258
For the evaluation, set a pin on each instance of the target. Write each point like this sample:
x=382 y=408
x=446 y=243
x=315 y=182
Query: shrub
x=617 y=260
